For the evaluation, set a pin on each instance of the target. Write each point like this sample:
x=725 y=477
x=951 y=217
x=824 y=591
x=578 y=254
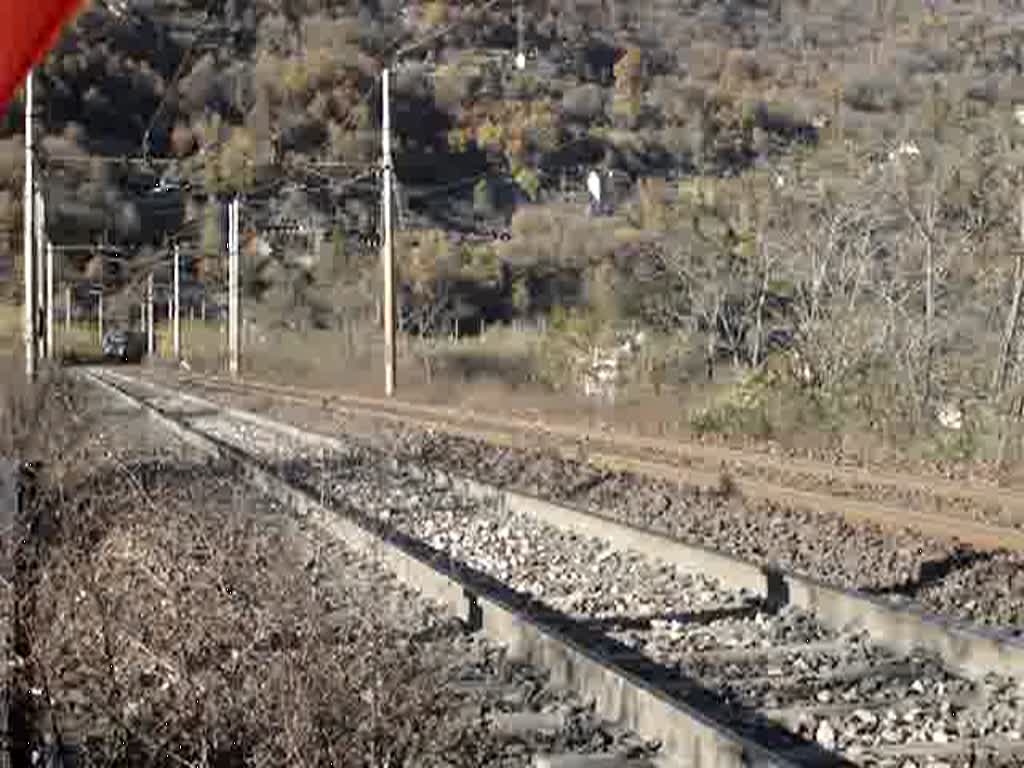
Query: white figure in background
x=594 y=187
x=906 y=149
x=951 y=416
x=602 y=370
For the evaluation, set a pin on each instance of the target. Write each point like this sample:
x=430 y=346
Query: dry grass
x=167 y=617
x=10 y=328
x=504 y=372
x=44 y=422
x=498 y=372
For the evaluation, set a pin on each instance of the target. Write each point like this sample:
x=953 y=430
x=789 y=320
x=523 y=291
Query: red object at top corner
x=28 y=28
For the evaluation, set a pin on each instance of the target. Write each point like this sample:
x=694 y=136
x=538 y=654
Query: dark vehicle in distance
x=124 y=346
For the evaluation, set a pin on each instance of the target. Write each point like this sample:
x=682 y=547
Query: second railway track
x=902 y=562
x=771 y=668
x=984 y=516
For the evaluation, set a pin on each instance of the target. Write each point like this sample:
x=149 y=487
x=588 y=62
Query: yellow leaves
x=629 y=80
x=490 y=135
x=629 y=72
x=698 y=191
x=541 y=124
x=425 y=257
x=516 y=146
x=529 y=182
x=325 y=65
x=511 y=128
x=435 y=13
x=480 y=263
x=521 y=295
x=320 y=32
x=237 y=152
x=456 y=81
x=231 y=167
x=459 y=139
x=208 y=263
x=653 y=207
x=294 y=77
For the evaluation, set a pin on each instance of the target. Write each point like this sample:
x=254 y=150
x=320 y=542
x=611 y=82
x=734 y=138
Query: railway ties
x=764 y=681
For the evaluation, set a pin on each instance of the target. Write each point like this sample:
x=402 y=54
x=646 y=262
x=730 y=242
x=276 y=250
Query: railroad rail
x=985 y=517
x=816 y=670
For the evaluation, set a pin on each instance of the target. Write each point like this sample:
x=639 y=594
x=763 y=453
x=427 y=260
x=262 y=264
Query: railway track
x=723 y=661
x=943 y=576
x=986 y=517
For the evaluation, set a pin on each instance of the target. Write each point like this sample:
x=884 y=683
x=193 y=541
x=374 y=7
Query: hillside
x=834 y=180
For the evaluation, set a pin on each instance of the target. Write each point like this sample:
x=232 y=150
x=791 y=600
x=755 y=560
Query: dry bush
x=171 y=622
x=44 y=422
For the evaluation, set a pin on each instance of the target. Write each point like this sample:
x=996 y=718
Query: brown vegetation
x=764 y=224
x=168 y=617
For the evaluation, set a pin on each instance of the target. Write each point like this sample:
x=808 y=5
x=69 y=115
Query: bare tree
x=1003 y=364
x=831 y=263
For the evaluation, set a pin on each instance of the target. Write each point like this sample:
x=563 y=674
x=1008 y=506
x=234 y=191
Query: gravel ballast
x=944 y=577
x=679 y=621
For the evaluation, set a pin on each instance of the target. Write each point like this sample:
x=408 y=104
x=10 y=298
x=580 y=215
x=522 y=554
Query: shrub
x=879 y=93
x=172 y=621
x=585 y=103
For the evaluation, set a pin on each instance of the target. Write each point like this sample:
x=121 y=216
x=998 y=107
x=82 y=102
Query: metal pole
x=100 y=303
x=520 y=42
x=389 y=244
x=231 y=293
x=177 y=301
x=29 y=331
x=41 y=309
x=49 y=299
x=233 y=324
x=150 y=336
x=40 y=216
